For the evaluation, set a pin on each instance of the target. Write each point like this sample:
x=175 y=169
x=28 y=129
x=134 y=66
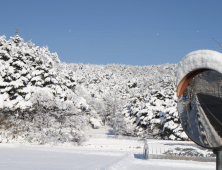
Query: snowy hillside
x=46 y=101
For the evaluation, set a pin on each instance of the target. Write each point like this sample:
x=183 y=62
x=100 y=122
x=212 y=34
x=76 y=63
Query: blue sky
x=131 y=32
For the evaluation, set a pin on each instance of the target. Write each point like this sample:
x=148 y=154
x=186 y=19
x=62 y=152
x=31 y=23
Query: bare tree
x=217 y=42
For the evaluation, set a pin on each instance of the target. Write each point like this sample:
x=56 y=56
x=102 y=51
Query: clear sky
x=135 y=32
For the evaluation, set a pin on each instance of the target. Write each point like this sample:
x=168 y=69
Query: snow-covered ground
x=101 y=151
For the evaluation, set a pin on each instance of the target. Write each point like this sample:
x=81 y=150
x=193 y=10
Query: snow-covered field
x=101 y=151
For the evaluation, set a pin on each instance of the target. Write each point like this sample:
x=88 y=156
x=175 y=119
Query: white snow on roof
x=198 y=60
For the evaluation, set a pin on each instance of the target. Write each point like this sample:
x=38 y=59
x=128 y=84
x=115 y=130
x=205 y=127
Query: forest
x=46 y=101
